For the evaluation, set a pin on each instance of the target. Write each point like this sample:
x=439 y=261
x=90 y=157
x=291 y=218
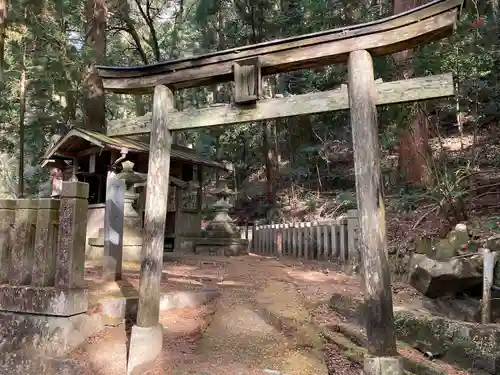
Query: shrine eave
x=78 y=142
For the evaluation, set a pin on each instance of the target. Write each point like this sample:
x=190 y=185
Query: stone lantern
x=221 y=236
x=222 y=225
x=132 y=220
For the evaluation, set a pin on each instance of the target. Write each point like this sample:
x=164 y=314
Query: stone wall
x=43 y=253
x=42 y=261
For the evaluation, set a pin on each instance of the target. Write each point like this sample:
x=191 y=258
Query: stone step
x=114 y=310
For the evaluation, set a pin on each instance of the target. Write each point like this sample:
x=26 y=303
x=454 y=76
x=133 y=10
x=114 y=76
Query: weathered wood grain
x=373 y=240
x=382 y=37
x=415 y=89
x=156 y=209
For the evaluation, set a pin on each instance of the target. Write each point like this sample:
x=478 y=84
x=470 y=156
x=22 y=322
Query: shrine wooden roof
x=78 y=142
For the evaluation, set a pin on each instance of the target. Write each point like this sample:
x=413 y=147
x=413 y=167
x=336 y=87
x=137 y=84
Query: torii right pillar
x=382 y=357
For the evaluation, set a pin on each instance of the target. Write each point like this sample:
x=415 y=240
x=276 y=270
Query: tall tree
x=4 y=8
x=414 y=140
x=94 y=109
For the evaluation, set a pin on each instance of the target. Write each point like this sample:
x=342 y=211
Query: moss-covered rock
x=468 y=345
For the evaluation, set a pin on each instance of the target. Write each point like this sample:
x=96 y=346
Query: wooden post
x=335 y=238
x=272 y=232
x=199 y=193
x=300 y=240
x=489 y=266
x=319 y=243
x=344 y=244
x=251 y=243
x=352 y=229
x=279 y=241
x=262 y=239
x=295 y=236
x=373 y=240
x=326 y=241
x=286 y=242
x=156 y=209
x=307 y=240
x=269 y=239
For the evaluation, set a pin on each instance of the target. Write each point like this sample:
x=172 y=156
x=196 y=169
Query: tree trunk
x=22 y=113
x=414 y=141
x=4 y=7
x=93 y=92
x=271 y=159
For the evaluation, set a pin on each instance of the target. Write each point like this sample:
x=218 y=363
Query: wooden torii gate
x=246 y=66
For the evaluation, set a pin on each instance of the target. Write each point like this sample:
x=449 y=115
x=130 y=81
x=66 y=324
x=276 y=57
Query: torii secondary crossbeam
x=246 y=66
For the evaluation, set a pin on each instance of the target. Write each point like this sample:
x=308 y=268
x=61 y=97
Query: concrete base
x=43 y=300
x=383 y=365
x=114 y=310
x=132 y=249
x=145 y=345
x=221 y=246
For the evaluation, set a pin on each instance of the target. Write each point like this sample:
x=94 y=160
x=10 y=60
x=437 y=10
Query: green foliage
x=47 y=40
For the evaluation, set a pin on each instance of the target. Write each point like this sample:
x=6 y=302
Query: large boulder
x=434 y=278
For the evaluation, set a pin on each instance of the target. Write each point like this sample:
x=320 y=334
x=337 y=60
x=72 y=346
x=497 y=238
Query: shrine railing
x=42 y=253
x=317 y=240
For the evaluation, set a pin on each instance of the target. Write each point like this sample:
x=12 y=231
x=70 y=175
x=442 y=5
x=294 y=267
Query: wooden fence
x=319 y=240
x=42 y=253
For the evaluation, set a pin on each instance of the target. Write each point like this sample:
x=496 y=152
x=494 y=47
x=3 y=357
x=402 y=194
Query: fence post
x=295 y=239
x=285 y=238
x=344 y=245
x=262 y=238
x=300 y=239
x=289 y=233
x=251 y=243
x=268 y=239
x=326 y=241
x=319 y=243
x=279 y=240
x=273 y=239
x=70 y=259
x=335 y=239
x=352 y=230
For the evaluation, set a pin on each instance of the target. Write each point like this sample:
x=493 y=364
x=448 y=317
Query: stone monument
x=132 y=220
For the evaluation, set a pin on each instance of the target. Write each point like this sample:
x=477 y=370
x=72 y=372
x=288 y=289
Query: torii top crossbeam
x=428 y=22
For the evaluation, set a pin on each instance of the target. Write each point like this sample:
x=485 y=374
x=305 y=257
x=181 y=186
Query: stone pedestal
x=221 y=236
x=132 y=220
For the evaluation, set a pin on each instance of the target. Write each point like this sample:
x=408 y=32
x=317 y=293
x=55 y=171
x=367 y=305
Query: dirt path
x=258 y=325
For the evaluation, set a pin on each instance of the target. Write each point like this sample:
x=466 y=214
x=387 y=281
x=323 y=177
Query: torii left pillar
x=146 y=340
